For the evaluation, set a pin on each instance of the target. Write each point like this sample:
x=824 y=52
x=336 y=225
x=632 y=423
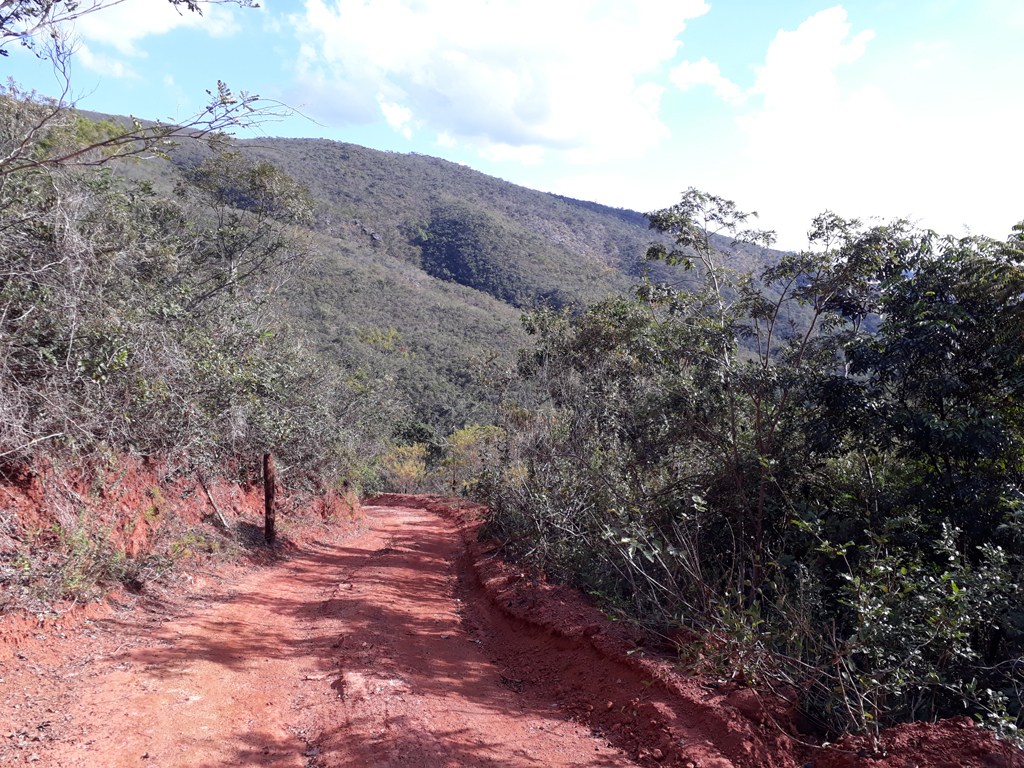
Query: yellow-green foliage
x=152 y=512
x=192 y=543
x=385 y=341
x=67 y=135
x=406 y=466
x=467 y=450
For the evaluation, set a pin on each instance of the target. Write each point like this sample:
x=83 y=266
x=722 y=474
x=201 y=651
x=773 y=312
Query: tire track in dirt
x=417 y=688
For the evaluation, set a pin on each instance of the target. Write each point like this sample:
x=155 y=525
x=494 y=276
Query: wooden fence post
x=269 y=534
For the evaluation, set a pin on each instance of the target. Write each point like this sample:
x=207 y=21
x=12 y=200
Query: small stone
x=609 y=705
x=657 y=754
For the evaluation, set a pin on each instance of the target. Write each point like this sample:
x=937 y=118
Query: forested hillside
x=424 y=264
x=401 y=276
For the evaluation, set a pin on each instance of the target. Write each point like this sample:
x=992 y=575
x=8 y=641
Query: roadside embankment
x=71 y=534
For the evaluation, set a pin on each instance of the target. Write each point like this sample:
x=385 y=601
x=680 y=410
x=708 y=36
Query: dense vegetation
x=487 y=247
x=140 y=323
x=840 y=510
x=415 y=260
x=406 y=278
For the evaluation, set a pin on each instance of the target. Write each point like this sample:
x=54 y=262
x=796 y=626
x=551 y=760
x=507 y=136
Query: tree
x=30 y=21
x=939 y=386
x=132 y=322
x=249 y=211
x=49 y=127
x=856 y=466
x=406 y=466
x=465 y=454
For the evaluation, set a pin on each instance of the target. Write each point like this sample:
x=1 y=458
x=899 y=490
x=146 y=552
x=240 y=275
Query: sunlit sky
x=872 y=108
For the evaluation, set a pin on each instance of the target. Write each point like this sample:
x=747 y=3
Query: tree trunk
x=269 y=534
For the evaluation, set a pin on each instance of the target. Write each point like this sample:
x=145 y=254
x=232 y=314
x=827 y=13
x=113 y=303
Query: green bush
x=832 y=505
x=133 y=322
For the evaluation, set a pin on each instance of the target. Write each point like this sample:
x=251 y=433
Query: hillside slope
x=425 y=264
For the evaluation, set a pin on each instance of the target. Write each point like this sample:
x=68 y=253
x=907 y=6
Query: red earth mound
x=129 y=506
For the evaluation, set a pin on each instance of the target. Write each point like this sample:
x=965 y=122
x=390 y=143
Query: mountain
x=425 y=264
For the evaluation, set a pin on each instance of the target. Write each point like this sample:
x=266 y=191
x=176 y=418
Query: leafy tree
x=938 y=387
x=246 y=205
x=134 y=322
x=466 y=455
x=406 y=467
x=855 y=465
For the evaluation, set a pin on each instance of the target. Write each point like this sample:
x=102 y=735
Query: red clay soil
x=136 y=507
x=405 y=642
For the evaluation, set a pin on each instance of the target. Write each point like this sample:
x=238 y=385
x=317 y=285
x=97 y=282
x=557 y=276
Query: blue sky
x=871 y=108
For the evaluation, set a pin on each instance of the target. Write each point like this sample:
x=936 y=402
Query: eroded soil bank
x=403 y=642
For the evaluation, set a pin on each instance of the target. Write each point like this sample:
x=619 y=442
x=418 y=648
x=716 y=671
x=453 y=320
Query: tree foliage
x=833 y=442
x=135 y=322
x=471 y=248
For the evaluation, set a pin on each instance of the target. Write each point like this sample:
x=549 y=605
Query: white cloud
x=801 y=92
x=1009 y=13
x=703 y=72
x=103 y=64
x=813 y=140
x=619 y=190
x=575 y=75
x=799 y=69
x=397 y=116
x=219 y=21
x=124 y=24
x=822 y=139
x=272 y=23
x=927 y=54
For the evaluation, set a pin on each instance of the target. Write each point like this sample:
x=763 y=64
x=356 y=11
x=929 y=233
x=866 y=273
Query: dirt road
x=349 y=654
x=403 y=643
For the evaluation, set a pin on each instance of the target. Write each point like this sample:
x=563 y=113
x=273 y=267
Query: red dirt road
x=405 y=643
x=348 y=654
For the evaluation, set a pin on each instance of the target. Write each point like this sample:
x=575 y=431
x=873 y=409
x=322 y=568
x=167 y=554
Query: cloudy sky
x=879 y=108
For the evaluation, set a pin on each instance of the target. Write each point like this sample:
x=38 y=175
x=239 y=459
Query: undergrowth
x=837 y=515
